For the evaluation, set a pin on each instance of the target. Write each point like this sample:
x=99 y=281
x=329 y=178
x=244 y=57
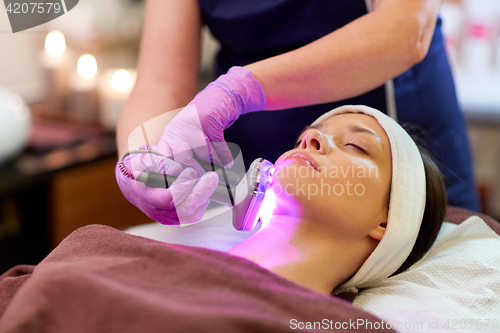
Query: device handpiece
x=224 y=193
x=257 y=180
x=243 y=192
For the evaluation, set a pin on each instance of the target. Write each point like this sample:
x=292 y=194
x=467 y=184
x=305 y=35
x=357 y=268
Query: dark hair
x=436 y=201
x=435 y=207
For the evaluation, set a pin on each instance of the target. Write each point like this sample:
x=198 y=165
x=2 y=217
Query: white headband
x=406 y=204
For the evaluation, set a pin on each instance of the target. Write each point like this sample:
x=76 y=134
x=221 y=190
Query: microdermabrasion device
x=242 y=192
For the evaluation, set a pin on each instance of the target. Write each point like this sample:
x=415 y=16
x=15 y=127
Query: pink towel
x=100 y=279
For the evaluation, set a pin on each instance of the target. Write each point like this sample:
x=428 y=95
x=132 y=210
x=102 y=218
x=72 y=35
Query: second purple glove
x=200 y=126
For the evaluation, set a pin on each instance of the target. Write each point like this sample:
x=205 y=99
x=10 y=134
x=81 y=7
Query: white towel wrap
x=406 y=206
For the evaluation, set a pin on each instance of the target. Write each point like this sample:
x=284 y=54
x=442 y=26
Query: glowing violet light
x=55 y=44
x=267 y=207
x=122 y=80
x=87 y=66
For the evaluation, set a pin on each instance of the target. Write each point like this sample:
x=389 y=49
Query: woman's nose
x=314 y=140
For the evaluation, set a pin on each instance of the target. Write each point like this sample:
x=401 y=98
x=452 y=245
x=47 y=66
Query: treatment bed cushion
x=100 y=279
x=455 y=287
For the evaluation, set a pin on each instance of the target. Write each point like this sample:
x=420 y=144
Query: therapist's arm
x=168 y=66
x=353 y=59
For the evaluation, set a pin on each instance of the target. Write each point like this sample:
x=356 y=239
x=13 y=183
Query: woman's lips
x=305 y=158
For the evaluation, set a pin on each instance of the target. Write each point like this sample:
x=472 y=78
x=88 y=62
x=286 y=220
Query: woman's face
x=338 y=176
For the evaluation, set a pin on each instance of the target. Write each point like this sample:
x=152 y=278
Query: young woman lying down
x=377 y=206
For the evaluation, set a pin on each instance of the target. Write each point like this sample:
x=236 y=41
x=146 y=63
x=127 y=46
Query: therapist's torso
x=250 y=31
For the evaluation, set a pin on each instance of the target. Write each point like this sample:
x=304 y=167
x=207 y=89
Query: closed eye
x=297 y=144
x=356 y=146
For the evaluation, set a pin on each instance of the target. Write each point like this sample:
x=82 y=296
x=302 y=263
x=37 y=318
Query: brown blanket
x=100 y=279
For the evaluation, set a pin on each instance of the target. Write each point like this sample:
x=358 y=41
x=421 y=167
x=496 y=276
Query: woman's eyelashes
x=357 y=147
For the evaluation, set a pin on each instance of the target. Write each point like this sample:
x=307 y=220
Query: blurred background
x=63 y=83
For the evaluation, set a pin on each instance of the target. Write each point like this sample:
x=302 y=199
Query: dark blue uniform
x=252 y=30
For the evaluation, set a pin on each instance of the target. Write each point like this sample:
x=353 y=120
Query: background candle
x=115 y=86
x=55 y=60
x=83 y=86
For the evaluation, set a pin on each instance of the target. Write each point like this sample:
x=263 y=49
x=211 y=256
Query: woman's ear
x=378 y=231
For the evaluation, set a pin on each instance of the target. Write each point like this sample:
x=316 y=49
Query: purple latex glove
x=200 y=125
x=184 y=202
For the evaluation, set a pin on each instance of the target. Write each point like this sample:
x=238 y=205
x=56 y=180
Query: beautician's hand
x=184 y=202
x=200 y=125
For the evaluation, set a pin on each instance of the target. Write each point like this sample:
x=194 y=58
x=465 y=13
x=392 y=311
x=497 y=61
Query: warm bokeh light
x=23 y=113
x=122 y=80
x=87 y=66
x=55 y=44
x=15 y=102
